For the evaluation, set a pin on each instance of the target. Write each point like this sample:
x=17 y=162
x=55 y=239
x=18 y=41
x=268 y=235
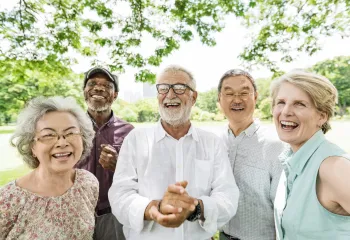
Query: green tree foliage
x=337 y=70
x=23 y=80
x=35 y=29
x=147 y=110
x=207 y=101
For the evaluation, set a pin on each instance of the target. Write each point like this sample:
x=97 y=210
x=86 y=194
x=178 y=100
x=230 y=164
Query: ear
x=322 y=118
x=115 y=95
x=256 y=94
x=194 y=97
x=218 y=97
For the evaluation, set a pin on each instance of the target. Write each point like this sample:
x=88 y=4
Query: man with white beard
x=100 y=91
x=173 y=180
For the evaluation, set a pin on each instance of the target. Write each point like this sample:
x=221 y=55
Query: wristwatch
x=196 y=214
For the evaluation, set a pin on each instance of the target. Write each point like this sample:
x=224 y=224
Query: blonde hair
x=322 y=92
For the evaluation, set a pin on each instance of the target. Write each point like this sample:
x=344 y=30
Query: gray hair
x=234 y=73
x=24 y=134
x=322 y=92
x=176 y=68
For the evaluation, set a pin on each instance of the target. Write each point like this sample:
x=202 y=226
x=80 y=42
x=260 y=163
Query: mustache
x=237 y=105
x=172 y=101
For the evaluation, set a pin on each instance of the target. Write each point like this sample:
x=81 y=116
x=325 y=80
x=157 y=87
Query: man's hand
x=175 y=206
x=108 y=157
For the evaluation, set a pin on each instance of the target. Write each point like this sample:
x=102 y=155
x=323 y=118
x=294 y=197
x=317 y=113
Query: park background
x=46 y=46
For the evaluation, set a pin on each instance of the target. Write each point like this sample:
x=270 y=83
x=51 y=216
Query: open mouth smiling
x=171 y=105
x=289 y=125
x=62 y=155
x=237 y=109
x=97 y=97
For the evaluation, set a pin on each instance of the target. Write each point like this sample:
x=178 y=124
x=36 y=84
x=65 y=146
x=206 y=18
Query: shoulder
x=122 y=125
x=7 y=190
x=86 y=178
x=270 y=139
x=209 y=138
x=335 y=165
x=12 y=200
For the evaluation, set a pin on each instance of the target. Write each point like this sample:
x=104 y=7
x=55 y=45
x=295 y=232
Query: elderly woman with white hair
x=313 y=196
x=54 y=200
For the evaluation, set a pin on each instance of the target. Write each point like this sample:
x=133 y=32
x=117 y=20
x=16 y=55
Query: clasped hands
x=175 y=207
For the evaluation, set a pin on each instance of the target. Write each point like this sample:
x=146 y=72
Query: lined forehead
x=237 y=83
x=57 y=120
x=173 y=77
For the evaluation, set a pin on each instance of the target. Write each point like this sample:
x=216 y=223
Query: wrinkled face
x=175 y=109
x=237 y=99
x=62 y=154
x=99 y=93
x=295 y=116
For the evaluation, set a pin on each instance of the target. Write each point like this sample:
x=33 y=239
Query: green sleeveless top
x=298 y=213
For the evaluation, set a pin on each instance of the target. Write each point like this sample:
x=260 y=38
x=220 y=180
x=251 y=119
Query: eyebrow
x=69 y=128
x=242 y=89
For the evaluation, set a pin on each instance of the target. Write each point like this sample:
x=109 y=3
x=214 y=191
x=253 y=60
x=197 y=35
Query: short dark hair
x=234 y=73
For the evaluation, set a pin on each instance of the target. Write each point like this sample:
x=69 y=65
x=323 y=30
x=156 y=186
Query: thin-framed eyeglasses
x=179 y=88
x=243 y=96
x=53 y=137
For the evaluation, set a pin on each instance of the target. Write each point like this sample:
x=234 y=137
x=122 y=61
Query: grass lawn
x=7 y=129
x=9 y=175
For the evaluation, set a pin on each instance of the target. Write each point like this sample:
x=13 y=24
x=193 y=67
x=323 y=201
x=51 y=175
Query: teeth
x=237 y=108
x=61 y=154
x=289 y=123
x=172 y=104
x=97 y=97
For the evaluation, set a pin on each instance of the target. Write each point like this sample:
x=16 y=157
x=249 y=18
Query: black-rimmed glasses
x=179 y=88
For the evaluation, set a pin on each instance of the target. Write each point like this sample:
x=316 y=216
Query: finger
x=107 y=157
x=169 y=209
x=182 y=183
x=185 y=205
x=160 y=218
x=108 y=148
x=173 y=188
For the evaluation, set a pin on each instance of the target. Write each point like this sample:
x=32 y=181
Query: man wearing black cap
x=100 y=90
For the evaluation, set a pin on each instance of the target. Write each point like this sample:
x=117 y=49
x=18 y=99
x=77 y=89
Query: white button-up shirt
x=150 y=160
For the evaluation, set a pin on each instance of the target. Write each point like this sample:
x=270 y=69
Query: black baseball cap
x=111 y=77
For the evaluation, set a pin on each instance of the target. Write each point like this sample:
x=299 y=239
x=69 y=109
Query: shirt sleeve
x=126 y=202
x=8 y=215
x=221 y=205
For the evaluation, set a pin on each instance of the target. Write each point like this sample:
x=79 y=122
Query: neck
x=100 y=117
x=178 y=131
x=238 y=127
x=53 y=184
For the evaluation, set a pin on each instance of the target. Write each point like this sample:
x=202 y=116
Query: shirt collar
x=108 y=123
x=161 y=133
x=298 y=160
x=248 y=131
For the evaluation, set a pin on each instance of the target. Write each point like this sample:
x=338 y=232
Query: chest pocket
x=202 y=172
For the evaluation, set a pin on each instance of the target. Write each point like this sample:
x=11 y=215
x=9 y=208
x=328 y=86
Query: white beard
x=176 y=117
x=102 y=108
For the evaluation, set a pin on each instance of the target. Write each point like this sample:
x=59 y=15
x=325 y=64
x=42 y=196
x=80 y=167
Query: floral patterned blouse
x=26 y=215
